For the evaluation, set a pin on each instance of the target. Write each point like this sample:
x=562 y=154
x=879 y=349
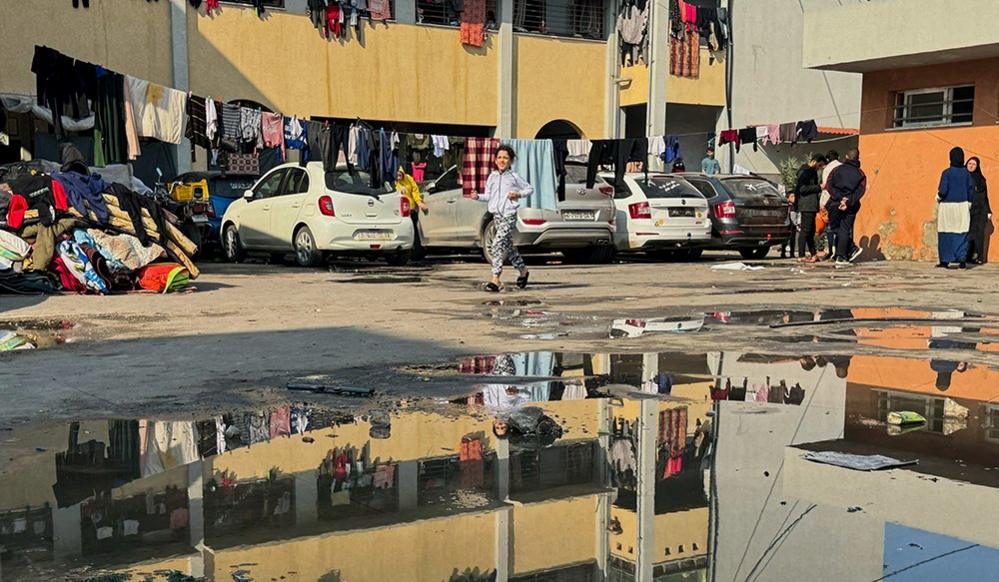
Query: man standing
x=710 y=165
x=832 y=162
x=806 y=193
x=846 y=187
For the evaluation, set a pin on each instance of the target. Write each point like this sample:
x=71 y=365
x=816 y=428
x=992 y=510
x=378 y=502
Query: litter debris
x=736 y=267
x=903 y=417
x=857 y=462
x=11 y=341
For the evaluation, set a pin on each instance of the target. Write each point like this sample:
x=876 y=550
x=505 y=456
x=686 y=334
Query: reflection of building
x=426 y=496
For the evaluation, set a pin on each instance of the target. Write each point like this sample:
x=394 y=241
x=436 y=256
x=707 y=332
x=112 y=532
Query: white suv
x=314 y=212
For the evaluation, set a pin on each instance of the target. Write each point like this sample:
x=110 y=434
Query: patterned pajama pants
x=503 y=248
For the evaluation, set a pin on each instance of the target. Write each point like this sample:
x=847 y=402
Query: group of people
x=827 y=191
x=963 y=212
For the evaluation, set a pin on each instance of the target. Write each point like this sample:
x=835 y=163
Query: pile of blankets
x=67 y=229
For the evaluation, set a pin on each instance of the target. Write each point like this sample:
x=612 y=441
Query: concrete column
x=504 y=537
x=603 y=550
x=650 y=366
x=181 y=72
x=506 y=45
x=502 y=469
x=646 y=497
x=197 y=473
x=655 y=123
x=612 y=106
x=68 y=538
x=405 y=11
x=408 y=473
x=306 y=497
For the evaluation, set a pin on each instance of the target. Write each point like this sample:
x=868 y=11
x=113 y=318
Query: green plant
x=789 y=172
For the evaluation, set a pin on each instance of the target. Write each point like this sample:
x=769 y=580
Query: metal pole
x=729 y=67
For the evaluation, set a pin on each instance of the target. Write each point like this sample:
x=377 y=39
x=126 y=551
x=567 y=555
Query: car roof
x=723 y=176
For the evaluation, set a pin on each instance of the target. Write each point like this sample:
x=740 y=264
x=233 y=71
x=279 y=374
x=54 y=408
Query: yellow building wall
x=681 y=528
x=554 y=533
x=708 y=88
x=422 y=551
x=414 y=436
x=127 y=36
x=397 y=72
x=560 y=78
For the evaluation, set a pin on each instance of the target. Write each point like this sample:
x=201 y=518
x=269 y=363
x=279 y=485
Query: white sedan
x=313 y=212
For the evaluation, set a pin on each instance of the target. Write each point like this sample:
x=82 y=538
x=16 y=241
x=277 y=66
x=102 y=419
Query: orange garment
x=473 y=23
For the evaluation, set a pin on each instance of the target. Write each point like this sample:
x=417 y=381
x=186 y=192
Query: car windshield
x=667 y=187
x=750 y=187
x=357 y=183
x=229 y=187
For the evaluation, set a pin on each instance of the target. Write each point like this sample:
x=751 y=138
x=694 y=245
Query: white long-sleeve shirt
x=498 y=187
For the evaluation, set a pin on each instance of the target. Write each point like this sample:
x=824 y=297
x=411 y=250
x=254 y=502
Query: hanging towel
x=788 y=132
x=477 y=163
x=441 y=145
x=535 y=162
x=473 y=23
x=579 y=147
x=747 y=135
x=657 y=146
x=762 y=134
x=773 y=132
x=158 y=110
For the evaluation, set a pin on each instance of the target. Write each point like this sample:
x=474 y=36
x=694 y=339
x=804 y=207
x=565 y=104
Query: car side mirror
x=431 y=188
x=248 y=194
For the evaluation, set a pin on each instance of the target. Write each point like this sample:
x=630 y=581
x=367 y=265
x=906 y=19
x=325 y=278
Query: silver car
x=582 y=228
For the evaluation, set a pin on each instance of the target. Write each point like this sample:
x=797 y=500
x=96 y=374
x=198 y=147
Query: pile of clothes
x=67 y=229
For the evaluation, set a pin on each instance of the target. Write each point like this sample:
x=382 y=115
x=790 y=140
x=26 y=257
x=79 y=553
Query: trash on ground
x=736 y=267
x=11 y=341
x=857 y=462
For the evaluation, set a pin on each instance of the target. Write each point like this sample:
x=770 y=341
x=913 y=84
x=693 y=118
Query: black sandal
x=492 y=287
x=522 y=280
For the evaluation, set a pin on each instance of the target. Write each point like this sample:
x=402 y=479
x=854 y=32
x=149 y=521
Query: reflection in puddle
x=555 y=466
x=33 y=334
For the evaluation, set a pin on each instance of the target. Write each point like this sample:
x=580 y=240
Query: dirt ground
x=250 y=329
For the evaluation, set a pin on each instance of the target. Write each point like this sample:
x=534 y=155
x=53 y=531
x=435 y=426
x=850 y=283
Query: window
x=448 y=12
x=992 y=424
x=704 y=188
x=297 y=183
x=269 y=186
x=576 y=173
x=931 y=408
x=576 y=18
x=449 y=181
x=660 y=187
x=743 y=188
x=357 y=182
x=934 y=107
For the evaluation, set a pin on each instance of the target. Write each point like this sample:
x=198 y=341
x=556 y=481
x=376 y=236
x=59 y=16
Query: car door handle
x=268 y=207
x=299 y=205
x=452 y=201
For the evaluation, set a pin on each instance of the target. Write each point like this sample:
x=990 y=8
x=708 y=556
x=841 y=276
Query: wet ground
x=549 y=466
x=627 y=422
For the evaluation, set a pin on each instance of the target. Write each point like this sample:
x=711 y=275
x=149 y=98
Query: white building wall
x=770 y=85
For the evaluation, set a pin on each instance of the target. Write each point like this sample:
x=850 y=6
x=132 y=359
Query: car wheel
x=488 y=234
x=306 y=253
x=399 y=259
x=754 y=253
x=231 y=245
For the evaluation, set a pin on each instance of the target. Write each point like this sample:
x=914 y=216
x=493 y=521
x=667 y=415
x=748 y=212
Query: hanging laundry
x=352 y=141
x=806 y=131
x=788 y=132
x=762 y=134
x=158 y=110
x=618 y=152
x=535 y=162
x=441 y=145
x=211 y=120
x=773 y=134
x=230 y=119
x=272 y=130
x=728 y=136
x=685 y=54
x=632 y=29
x=473 y=23
x=317 y=15
x=280 y=422
x=477 y=163
x=388 y=158
x=316 y=135
x=747 y=135
x=295 y=136
x=197 y=123
x=110 y=116
x=579 y=147
x=657 y=146
x=249 y=127
x=379 y=10
x=672 y=152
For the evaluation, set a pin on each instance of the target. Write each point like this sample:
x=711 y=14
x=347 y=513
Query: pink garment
x=384 y=477
x=774 y=133
x=418 y=172
x=380 y=9
x=272 y=126
x=280 y=422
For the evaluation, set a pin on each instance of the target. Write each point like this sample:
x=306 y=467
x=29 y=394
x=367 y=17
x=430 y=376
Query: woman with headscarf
x=981 y=213
x=954 y=211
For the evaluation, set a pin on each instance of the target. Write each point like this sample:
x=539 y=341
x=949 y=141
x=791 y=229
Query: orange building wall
x=903 y=166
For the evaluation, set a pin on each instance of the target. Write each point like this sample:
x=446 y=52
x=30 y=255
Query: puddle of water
x=549 y=467
x=386 y=279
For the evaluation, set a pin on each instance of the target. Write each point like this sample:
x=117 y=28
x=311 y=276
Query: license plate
x=199 y=219
x=373 y=235
x=681 y=212
x=578 y=215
